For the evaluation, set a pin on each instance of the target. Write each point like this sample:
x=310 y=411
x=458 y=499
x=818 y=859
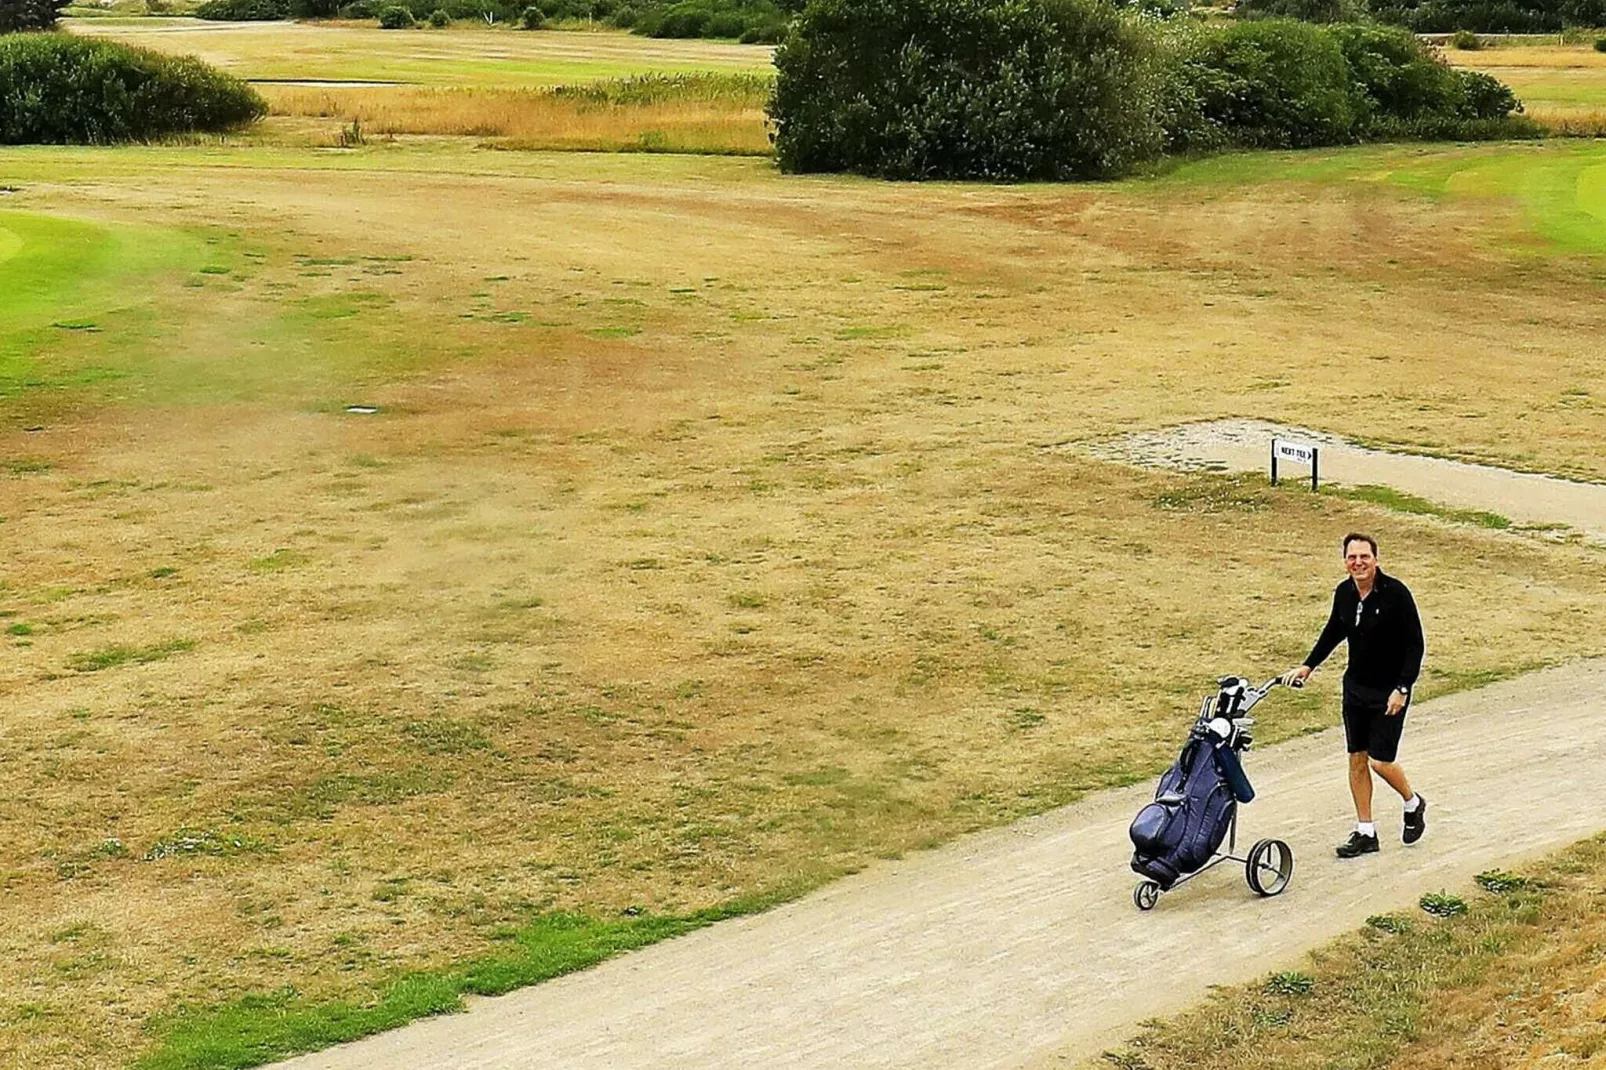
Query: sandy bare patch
x=1526 y=498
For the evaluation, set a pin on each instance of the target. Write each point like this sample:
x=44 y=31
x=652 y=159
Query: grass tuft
x=260 y=1028
x=1443 y=904
x=112 y=656
x=1402 y=502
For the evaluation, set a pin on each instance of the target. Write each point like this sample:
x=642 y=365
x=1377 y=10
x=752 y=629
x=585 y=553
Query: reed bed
x=711 y=114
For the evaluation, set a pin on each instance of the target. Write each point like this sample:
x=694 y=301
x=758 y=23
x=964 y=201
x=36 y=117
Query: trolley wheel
x=1269 y=867
x=1146 y=895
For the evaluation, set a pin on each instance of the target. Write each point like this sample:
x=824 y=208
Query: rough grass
x=1514 y=982
x=708 y=538
x=714 y=114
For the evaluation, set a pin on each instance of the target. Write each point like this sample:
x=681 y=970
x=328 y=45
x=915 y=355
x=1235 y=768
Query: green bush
x=20 y=16
x=439 y=19
x=1273 y=84
x=1017 y=89
x=1283 y=84
x=1490 y=16
x=396 y=17
x=1404 y=90
x=1305 y=10
x=56 y=89
x=531 y=18
x=1465 y=41
x=1600 y=44
x=242 y=10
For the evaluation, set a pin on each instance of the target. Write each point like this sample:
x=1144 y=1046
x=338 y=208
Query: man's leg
x=1360 y=785
x=1393 y=776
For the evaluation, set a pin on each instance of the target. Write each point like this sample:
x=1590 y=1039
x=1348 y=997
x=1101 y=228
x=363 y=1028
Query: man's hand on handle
x=1296 y=677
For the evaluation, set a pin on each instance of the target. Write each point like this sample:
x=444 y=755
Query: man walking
x=1376 y=615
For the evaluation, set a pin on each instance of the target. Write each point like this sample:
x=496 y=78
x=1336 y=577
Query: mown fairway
x=716 y=532
x=467 y=54
x=491 y=83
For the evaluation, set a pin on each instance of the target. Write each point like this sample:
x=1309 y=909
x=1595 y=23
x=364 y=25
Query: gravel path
x=1244 y=446
x=1021 y=946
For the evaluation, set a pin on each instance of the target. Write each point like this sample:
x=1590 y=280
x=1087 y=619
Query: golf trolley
x=1180 y=834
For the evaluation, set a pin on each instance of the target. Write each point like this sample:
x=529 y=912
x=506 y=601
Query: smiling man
x=1376 y=615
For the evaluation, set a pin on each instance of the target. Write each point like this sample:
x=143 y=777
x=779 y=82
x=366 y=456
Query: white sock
x=1413 y=803
x=1366 y=828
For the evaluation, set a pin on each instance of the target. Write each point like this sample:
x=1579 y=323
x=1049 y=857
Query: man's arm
x=1412 y=644
x=1332 y=635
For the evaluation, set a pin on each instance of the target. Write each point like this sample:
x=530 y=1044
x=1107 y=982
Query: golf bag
x=1198 y=796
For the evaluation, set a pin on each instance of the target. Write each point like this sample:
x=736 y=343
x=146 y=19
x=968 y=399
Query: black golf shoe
x=1416 y=821
x=1358 y=844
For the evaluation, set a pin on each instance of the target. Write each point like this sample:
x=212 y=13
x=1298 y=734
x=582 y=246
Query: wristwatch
x=1406 y=691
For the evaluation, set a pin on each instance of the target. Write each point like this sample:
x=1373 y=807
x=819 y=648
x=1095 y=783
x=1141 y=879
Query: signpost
x=1286 y=449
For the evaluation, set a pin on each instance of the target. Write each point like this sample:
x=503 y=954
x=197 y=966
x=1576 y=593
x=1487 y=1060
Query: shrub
x=56 y=89
x=1490 y=16
x=439 y=19
x=567 y=9
x=1600 y=44
x=1276 y=84
x=1465 y=40
x=531 y=18
x=1303 y=10
x=242 y=10
x=763 y=33
x=395 y=17
x=20 y=16
x=1045 y=89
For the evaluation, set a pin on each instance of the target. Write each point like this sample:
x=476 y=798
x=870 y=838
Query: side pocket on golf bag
x=1155 y=833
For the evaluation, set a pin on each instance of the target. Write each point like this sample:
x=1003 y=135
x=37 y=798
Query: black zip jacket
x=1384 y=635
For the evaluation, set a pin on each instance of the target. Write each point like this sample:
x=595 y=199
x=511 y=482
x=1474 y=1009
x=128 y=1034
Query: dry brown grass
x=536 y=119
x=713 y=535
x=1516 y=984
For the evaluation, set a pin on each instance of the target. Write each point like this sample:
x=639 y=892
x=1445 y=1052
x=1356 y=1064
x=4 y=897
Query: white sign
x=1288 y=450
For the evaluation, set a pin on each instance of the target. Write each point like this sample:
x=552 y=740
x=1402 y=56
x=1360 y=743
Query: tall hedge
x=20 y=16
x=1016 y=89
x=1056 y=89
x=56 y=89
x=1490 y=16
x=1279 y=83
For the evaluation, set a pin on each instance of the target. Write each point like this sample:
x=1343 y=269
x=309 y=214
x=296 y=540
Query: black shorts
x=1367 y=725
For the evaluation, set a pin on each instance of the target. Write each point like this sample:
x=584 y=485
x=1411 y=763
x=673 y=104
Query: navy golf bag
x=1198 y=796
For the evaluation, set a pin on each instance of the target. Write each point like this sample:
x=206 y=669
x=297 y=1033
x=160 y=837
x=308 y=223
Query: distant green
x=1559 y=187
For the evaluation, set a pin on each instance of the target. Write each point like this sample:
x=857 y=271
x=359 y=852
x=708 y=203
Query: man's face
x=1360 y=561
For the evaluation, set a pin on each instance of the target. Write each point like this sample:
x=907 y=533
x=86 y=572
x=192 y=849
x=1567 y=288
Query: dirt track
x=1021 y=946
x=1526 y=498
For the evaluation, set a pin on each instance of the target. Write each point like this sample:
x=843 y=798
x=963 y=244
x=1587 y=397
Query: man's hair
x=1356 y=536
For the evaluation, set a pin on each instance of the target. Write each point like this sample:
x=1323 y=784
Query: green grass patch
x=1402 y=502
x=63 y=276
x=1558 y=187
x=112 y=656
x=260 y=1028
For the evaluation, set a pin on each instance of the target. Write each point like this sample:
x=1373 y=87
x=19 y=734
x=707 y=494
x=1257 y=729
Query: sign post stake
x=1315 y=457
x=1274 y=462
